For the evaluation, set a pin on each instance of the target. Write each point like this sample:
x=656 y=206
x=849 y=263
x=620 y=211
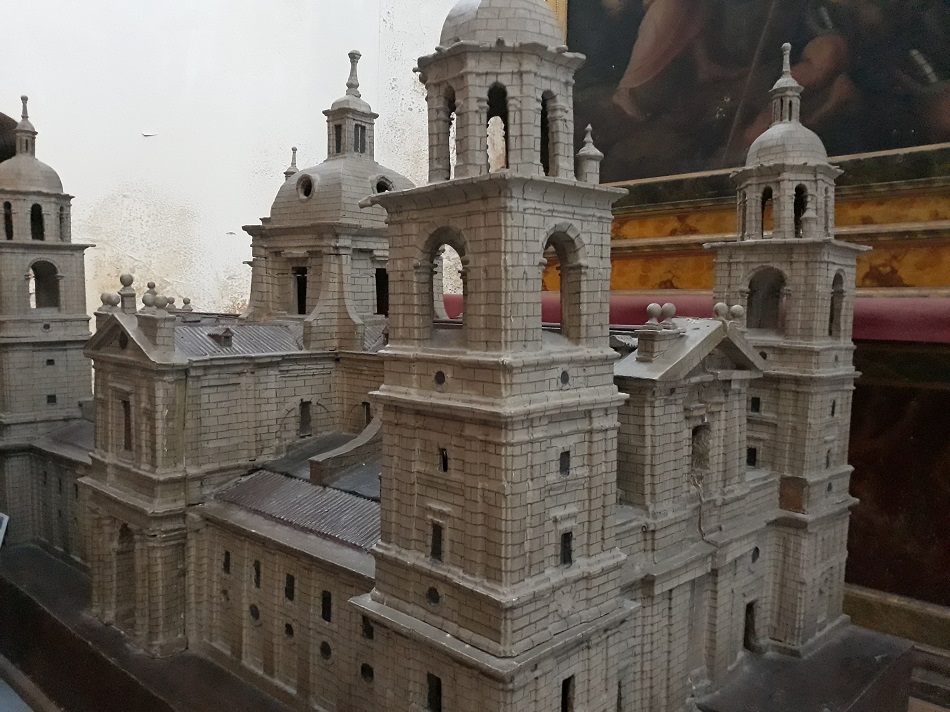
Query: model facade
x=357 y=503
x=43 y=328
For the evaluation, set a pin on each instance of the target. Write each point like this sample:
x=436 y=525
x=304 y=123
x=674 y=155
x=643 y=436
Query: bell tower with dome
x=43 y=324
x=497 y=573
x=798 y=284
x=318 y=259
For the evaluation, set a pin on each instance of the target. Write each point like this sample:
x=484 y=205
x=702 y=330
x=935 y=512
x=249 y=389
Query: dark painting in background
x=900 y=451
x=678 y=86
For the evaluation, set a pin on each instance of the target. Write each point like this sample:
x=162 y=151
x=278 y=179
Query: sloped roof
x=698 y=338
x=194 y=341
x=328 y=513
x=73 y=441
x=193 y=337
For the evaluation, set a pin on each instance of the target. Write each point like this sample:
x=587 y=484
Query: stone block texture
x=567 y=518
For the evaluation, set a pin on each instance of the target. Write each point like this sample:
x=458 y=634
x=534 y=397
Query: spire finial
x=353 y=83
x=25 y=114
x=292 y=168
x=588 y=159
x=786 y=94
x=589 y=136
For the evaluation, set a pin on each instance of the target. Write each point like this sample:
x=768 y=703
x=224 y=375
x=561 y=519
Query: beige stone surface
x=568 y=518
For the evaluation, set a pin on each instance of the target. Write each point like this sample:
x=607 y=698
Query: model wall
x=249 y=616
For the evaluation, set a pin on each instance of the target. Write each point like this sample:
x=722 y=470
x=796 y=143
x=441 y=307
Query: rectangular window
x=434 y=693
x=257 y=574
x=436 y=548
x=367 y=413
x=752 y=457
x=382 y=292
x=565 y=464
x=567 y=695
x=338 y=138
x=326 y=606
x=300 y=289
x=756 y=405
x=289 y=587
x=700 y=447
x=749 y=637
x=127 y=426
x=226 y=564
x=359 y=139
x=444 y=459
x=50 y=400
x=368 y=631
x=50 y=362
x=306 y=424
x=567 y=548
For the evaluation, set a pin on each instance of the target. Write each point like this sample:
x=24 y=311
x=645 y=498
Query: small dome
x=24 y=172
x=517 y=21
x=787 y=142
x=331 y=192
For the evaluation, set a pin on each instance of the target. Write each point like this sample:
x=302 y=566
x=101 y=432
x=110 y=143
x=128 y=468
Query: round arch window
x=383 y=185
x=304 y=187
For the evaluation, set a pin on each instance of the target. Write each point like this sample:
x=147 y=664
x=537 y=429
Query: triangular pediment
x=115 y=338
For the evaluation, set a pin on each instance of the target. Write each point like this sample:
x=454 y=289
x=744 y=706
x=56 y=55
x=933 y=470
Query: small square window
x=50 y=400
x=752 y=457
x=368 y=632
x=755 y=405
x=50 y=362
x=565 y=463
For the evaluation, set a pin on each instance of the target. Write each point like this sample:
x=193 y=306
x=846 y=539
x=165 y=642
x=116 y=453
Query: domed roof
x=24 y=172
x=787 y=142
x=517 y=21
x=331 y=193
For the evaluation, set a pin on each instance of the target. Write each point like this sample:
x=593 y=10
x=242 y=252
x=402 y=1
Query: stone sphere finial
x=721 y=311
x=160 y=301
x=114 y=300
x=186 y=300
x=737 y=311
x=126 y=280
x=104 y=298
x=151 y=285
x=668 y=311
x=148 y=299
x=654 y=311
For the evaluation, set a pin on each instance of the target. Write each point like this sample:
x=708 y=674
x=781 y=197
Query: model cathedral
x=357 y=503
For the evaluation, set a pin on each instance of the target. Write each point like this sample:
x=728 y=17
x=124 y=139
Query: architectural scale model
x=357 y=503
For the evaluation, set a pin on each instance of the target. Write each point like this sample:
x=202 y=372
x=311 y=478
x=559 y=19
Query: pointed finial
x=25 y=114
x=353 y=83
x=787 y=59
x=588 y=159
x=292 y=168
